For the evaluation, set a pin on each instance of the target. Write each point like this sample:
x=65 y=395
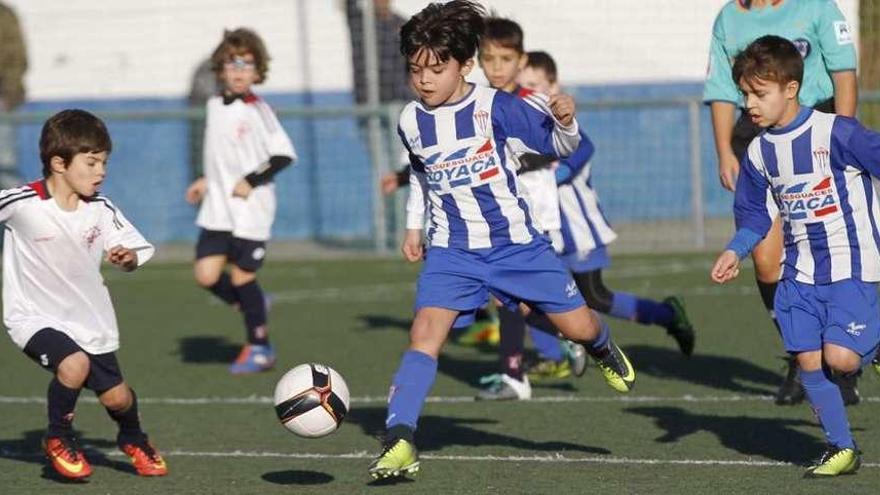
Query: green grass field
x=690 y=426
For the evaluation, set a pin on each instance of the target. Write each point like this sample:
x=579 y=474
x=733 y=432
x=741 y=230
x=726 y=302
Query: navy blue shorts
x=243 y=253
x=461 y=279
x=49 y=347
x=844 y=313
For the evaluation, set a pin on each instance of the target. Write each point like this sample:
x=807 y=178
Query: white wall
x=124 y=48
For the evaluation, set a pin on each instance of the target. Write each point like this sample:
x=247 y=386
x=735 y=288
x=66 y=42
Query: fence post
x=699 y=220
x=374 y=129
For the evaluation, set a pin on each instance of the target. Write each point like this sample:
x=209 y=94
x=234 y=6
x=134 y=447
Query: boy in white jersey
x=55 y=304
x=481 y=234
x=818 y=168
x=245 y=146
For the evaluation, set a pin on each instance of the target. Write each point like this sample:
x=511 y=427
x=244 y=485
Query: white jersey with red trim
x=240 y=137
x=51 y=266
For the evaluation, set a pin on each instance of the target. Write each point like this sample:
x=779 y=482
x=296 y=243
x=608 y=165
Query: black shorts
x=243 y=253
x=745 y=131
x=49 y=347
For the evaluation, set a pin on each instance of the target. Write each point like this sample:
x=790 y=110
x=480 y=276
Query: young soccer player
x=245 y=147
x=55 y=303
x=818 y=167
x=825 y=41
x=481 y=235
x=571 y=215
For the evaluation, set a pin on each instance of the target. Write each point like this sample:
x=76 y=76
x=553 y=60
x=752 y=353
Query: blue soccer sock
x=410 y=388
x=547 y=345
x=828 y=407
x=645 y=311
x=598 y=348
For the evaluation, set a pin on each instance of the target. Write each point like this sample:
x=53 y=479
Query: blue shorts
x=596 y=259
x=843 y=313
x=461 y=279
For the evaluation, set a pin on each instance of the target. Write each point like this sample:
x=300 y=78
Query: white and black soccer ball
x=311 y=400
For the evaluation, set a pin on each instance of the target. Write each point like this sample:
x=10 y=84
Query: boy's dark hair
x=240 y=42
x=505 y=33
x=543 y=60
x=769 y=58
x=451 y=29
x=69 y=132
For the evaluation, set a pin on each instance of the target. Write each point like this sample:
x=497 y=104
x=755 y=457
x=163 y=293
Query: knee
x=843 y=363
x=73 y=370
x=204 y=277
x=241 y=277
x=117 y=398
x=840 y=359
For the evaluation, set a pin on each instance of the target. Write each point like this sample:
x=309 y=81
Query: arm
x=268 y=170
x=861 y=147
x=753 y=221
x=846 y=93
x=279 y=147
x=125 y=246
x=571 y=166
x=412 y=247
x=12 y=199
x=723 y=121
x=838 y=51
x=530 y=126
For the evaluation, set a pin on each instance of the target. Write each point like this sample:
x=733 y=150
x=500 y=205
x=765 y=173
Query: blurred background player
x=826 y=303
x=825 y=41
x=245 y=147
x=481 y=235
x=577 y=225
x=55 y=301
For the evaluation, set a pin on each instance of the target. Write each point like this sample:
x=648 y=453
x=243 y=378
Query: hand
x=562 y=106
x=726 y=267
x=242 y=189
x=728 y=170
x=196 y=191
x=388 y=183
x=412 y=247
x=124 y=258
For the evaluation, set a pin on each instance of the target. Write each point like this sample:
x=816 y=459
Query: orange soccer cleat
x=144 y=457
x=66 y=457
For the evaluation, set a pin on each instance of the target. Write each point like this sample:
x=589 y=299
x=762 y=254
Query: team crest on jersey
x=459 y=169
x=805 y=201
x=803 y=47
x=91 y=235
x=242 y=130
x=482 y=120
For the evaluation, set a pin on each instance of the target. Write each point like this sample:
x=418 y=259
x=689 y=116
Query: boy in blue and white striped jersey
x=816 y=169
x=481 y=234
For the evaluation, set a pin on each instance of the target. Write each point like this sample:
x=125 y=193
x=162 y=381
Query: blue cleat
x=253 y=359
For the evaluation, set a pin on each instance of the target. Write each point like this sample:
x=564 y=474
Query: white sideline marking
x=554 y=458
x=381 y=399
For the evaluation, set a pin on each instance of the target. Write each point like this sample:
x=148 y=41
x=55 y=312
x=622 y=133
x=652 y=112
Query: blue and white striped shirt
x=459 y=159
x=819 y=171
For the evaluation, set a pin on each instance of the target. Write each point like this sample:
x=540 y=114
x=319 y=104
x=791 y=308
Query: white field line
x=363 y=455
x=381 y=399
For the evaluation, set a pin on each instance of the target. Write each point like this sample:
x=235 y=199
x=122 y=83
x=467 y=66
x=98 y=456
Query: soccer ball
x=311 y=400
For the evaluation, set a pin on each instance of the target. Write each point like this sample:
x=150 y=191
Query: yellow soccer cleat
x=834 y=462
x=398 y=458
x=617 y=370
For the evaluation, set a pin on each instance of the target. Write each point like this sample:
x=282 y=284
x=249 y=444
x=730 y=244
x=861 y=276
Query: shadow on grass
x=775 y=439
x=714 y=371
x=296 y=477
x=437 y=432
x=207 y=350
x=29 y=449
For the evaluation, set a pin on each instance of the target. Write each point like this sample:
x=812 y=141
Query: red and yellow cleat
x=66 y=457
x=144 y=457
